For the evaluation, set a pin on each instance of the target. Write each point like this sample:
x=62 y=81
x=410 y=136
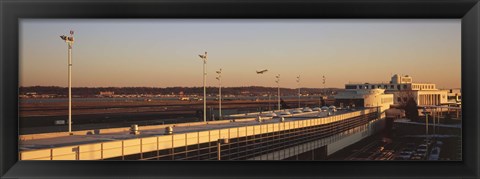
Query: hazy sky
x=164 y=53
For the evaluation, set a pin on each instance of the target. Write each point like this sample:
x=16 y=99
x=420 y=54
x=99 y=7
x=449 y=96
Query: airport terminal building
x=402 y=87
x=364 y=98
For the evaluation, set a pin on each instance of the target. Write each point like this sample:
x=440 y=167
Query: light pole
x=298 y=84
x=426 y=121
x=69 y=40
x=320 y=104
x=219 y=78
x=278 y=89
x=204 y=58
x=434 y=115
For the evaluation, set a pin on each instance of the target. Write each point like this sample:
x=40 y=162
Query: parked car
x=403 y=155
x=422 y=148
x=410 y=151
x=419 y=155
x=332 y=108
x=324 y=108
x=297 y=111
x=428 y=142
x=285 y=113
x=307 y=109
x=434 y=154
x=411 y=145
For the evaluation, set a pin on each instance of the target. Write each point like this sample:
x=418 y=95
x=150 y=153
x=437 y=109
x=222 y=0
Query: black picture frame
x=12 y=11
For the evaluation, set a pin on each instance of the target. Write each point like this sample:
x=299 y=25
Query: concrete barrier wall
x=372 y=128
x=123 y=129
x=111 y=130
x=96 y=151
x=333 y=143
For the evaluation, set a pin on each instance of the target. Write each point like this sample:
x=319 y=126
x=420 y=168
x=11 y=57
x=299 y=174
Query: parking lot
x=405 y=142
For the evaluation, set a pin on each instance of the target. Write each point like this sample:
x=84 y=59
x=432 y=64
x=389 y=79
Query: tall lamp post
x=323 y=82
x=219 y=78
x=278 y=89
x=69 y=40
x=204 y=58
x=426 y=121
x=298 y=84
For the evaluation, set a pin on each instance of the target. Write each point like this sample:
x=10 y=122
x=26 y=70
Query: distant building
x=402 y=88
x=106 y=93
x=395 y=113
x=31 y=93
x=245 y=92
x=454 y=96
x=364 y=98
x=184 y=98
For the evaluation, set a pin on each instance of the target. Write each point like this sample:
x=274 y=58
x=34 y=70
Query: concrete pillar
x=424 y=99
x=427 y=101
x=457 y=114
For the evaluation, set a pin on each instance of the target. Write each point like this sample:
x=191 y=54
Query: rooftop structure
x=396 y=83
x=403 y=88
x=364 y=98
x=250 y=138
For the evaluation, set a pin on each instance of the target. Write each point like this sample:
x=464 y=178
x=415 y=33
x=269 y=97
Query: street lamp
x=323 y=82
x=426 y=121
x=69 y=40
x=298 y=84
x=278 y=87
x=433 y=117
x=219 y=78
x=204 y=58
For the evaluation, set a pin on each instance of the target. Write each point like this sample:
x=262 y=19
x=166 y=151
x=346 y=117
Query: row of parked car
x=420 y=152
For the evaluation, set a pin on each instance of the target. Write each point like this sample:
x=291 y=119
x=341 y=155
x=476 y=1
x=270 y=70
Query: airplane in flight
x=261 y=71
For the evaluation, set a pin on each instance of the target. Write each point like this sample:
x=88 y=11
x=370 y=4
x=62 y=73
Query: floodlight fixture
x=278 y=89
